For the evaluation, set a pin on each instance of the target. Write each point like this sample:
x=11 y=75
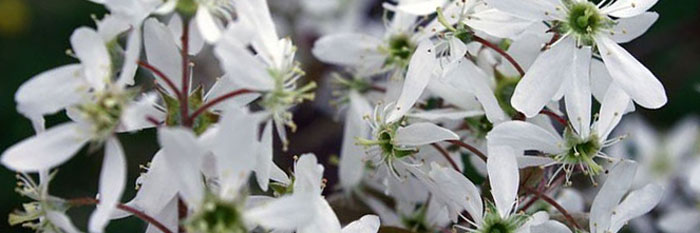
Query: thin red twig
x=554 y=116
x=447 y=156
x=216 y=101
x=184 y=102
x=477 y=152
x=554 y=204
x=502 y=52
x=139 y=214
x=161 y=75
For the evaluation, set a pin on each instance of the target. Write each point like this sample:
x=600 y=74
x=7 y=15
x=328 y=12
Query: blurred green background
x=34 y=37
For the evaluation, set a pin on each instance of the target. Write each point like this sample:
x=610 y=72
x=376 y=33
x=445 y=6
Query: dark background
x=34 y=37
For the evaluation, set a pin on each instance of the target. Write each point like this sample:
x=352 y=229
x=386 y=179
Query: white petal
x=207 y=25
x=264 y=157
x=445 y=114
x=616 y=185
x=135 y=116
x=536 y=10
x=234 y=58
x=46 y=150
x=196 y=40
x=308 y=175
x=611 y=110
x=633 y=77
x=61 y=221
x=533 y=161
x=497 y=23
x=184 y=154
x=351 y=167
x=550 y=227
x=628 y=29
x=456 y=188
x=578 y=96
x=112 y=182
x=156 y=188
x=544 y=78
x=503 y=177
x=524 y=136
x=694 y=179
x=423 y=133
x=457 y=48
x=167 y=216
x=467 y=76
x=628 y=8
x=131 y=57
x=366 y=224
x=636 y=204
x=92 y=52
x=571 y=200
x=233 y=145
x=680 y=221
x=284 y=213
x=324 y=219
x=420 y=7
x=162 y=52
x=51 y=91
x=420 y=71
x=682 y=138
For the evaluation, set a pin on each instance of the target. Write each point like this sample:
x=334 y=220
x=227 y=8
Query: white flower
x=585 y=27
x=578 y=147
x=45 y=213
x=209 y=16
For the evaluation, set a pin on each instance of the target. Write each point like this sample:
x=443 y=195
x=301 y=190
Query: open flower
x=584 y=28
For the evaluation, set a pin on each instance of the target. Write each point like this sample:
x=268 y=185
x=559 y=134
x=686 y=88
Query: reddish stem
x=216 y=101
x=502 y=52
x=184 y=102
x=161 y=75
x=377 y=88
x=554 y=204
x=141 y=215
x=554 y=116
x=477 y=152
x=447 y=156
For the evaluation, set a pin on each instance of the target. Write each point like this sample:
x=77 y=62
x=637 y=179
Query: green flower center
x=581 y=152
x=105 y=112
x=493 y=223
x=584 y=21
x=217 y=216
x=399 y=51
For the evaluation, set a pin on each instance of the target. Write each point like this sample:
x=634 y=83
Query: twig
x=216 y=101
x=184 y=102
x=556 y=117
x=446 y=155
x=502 y=52
x=161 y=75
x=554 y=204
x=143 y=216
x=481 y=155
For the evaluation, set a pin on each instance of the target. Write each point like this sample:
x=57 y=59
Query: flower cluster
x=460 y=115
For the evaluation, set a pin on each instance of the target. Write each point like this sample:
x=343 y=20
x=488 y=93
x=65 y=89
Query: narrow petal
x=207 y=25
x=503 y=177
x=628 y=8
x=162 y=52
x=61 y=221
x=550 y=227
x=46 y=150
x=498 y=23
x=616 y=185
x=135 y=116
x=324 y=219
x=523 y=136
x=544 y=78
x=535 y=10
x=264 y=157
x=633 y=77
x=184 y=154
x=533 y=161
x=234 y=58
x=578 y=97
x=92 y=52
x=637 y=203
x=51 y=91
x=420 y=71
x=131 y=57
x=351 y=167
x=612 y=108
x=423 y=133
x=284 y=213
x=232 y=146
x=420 y=7
x=366 y=224
x=308 y=175
x=467 y=76
x=628 y=29
x=112 y=182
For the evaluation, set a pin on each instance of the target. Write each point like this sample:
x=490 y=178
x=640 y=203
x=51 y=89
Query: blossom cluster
x=459 y=116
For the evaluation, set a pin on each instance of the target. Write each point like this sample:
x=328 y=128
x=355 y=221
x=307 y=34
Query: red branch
x=554 y=116
x=184 y=102
x=161 y=75
x=554 y=204
x=143 y=216
x=216 y=101
x=502 y=52
x=447 y=156
x=477 y=152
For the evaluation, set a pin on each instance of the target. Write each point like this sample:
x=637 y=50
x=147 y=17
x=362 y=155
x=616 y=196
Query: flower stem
x=216 y=101
x=477 y=152
x=162 y=76
x=447 y=156
x=556 y=117
x=184 y=102
x=554 y=204
x=502 y=52
x=139 y=214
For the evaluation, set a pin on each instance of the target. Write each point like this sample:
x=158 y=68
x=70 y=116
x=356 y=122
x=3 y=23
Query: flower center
x=493 y=223
x=216 y=216
x=400 y=50
x=581 y=152
x=584 y=21
x=104 y=113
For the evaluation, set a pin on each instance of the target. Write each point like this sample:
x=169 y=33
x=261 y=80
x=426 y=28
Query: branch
x=162 y=76
x=216 y=101
x=554 y=204
x=143 y=216
x=447 y=156
x=477 y=152
x=184 y=102
x=502 y=52
x=556 y=117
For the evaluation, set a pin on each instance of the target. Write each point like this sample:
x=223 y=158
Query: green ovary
x=581 y=151
x=217 y=216
x=584 y=20
x=399 y=51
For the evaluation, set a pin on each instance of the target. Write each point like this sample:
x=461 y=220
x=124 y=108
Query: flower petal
x=50 y=91
x=162 y=52
x=184 y=154
x=420 y=7
x=550 y=226
x=497 y=23
x=264 y=157
x=324 y=219
x=612 y=108
x=207 y=25
x=467 y=76
x=578 y=96
x=632 y=76
x=284 y=213
x=628 y=8
x=232 y=146
x=351 y=167
x=637 y=203
x=544 y=78
x=61 y=221
x=523 y=136
x=366 y=224
x=535 y=10
x=420 y=71
x=234 y=58
x=46 y=150
x=503 y=177
x=616 y=185
x=628 y=29
x=92 y=52
x=112 y=182
x=422 y=133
